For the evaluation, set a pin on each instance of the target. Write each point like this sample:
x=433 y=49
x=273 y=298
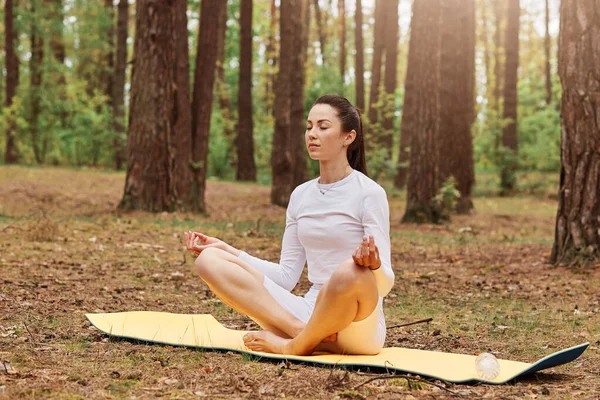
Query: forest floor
x=484 y=279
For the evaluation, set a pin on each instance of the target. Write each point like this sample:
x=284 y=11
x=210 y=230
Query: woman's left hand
x=367 y=254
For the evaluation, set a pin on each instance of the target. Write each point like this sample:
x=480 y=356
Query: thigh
x=366 y=336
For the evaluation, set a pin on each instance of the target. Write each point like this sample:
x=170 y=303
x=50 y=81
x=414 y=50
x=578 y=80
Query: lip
x=313 y=146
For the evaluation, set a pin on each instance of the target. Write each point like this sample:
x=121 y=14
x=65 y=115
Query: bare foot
x=267 y=342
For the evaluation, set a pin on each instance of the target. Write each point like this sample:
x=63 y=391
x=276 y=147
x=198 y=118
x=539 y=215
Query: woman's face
x=324 y=139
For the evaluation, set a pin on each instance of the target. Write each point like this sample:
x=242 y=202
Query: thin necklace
x=336 y=183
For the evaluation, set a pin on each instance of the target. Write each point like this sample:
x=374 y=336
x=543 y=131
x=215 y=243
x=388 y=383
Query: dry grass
x=64 y=251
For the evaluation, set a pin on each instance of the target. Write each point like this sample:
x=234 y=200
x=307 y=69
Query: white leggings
x=362 y=337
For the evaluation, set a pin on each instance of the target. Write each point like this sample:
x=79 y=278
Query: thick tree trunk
x=547 y=60
x=420 y=112
x=342 y=24
x=509 y=133
x=246 y=168
x=378 y=51
x=282 y=158
x=297 y=118
x=118 y=97
x=159 y=106
x=359 y=67
x=204 y=78
x=55 y=14
x=457 y=77
x=577 y=234
x=392 y=36
x=35 y=68
x=321 y=30
x=11 y=153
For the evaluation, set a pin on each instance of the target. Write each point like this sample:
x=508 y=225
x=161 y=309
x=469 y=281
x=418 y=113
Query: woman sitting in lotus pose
x=339 y=224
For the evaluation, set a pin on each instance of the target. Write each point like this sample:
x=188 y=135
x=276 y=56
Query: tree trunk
x=320 y=29
x=457 y=77
x=35 y=68
x=342 y=23
x=420 y=112
x=222 y=90
x=271 y=56
x=547 y=51
x=485 y=40
x=246 y=168
x=509 y=133
x=158 y=110
x=204 y=78
x=378 y=49
x=11 y=153
x=359 y=67
x=282 y=158
x=118 y=97
x=391 y=72
x=57 y=49
x=577 y=234
x=297 y=118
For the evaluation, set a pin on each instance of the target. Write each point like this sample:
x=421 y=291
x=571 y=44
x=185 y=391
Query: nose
x=310 y=132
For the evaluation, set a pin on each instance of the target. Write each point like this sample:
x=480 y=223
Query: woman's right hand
x=192 y=240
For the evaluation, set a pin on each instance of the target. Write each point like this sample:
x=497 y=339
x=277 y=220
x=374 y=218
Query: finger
x=372 y=243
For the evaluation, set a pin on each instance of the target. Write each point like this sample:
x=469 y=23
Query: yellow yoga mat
x=204 y=331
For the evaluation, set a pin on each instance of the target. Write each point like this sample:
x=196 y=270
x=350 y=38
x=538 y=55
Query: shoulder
x=368 y=188
x=300 y=190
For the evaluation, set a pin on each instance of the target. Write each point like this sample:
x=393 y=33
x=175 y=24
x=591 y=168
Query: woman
x=325 y=221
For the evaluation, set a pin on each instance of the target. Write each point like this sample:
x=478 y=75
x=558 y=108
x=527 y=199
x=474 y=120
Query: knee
x=348 y=277
x=205 y=260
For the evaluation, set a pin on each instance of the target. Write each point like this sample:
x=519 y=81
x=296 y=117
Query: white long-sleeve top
x=325 y=229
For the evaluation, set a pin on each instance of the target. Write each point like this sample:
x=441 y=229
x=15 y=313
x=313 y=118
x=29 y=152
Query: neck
x=334 y=171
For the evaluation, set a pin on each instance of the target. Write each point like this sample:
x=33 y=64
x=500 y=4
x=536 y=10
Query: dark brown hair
x=351 y=120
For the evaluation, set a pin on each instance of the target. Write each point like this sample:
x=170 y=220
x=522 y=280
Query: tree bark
x=11 y=153
x=320 y=29
x=204 y=78
x=547 y=53
x=498 y=55
x=509 y=133
x=108 y=75
x=378 y=50
x=159 y=107
x=297 y=118
x=420 y=112
x=282 y=158
x=391 y=72
x=457 y=77
x=359 y=67
x=342 y=24
x=246 y=168
x=577 y=234
x=35 y=68
x=118 y=97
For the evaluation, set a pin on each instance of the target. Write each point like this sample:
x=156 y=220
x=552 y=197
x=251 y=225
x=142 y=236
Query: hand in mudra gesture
x=195 y=242
x=367 y=254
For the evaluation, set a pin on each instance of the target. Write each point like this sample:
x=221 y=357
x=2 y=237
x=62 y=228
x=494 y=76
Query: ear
x=349 y=138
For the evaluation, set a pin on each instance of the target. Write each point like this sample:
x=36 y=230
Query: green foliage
x=447 y=197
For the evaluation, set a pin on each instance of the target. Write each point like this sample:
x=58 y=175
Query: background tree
x=392 y=32
x=577 y=237
x=342 y=26
x=206 y=58
x=11 y=154
x=221 y=83
x=35 y=79
x=156 y=96
x=377 y=61
x=282 y=158
x=359 y=61
x=509 y=133
x=118 y=97
x=246 y=168
x=420 y=112
x=547 y=45
x=457 y=103
x=271 y=59
x=320 y=29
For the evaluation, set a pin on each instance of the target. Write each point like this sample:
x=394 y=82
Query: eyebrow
x=321 y=120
